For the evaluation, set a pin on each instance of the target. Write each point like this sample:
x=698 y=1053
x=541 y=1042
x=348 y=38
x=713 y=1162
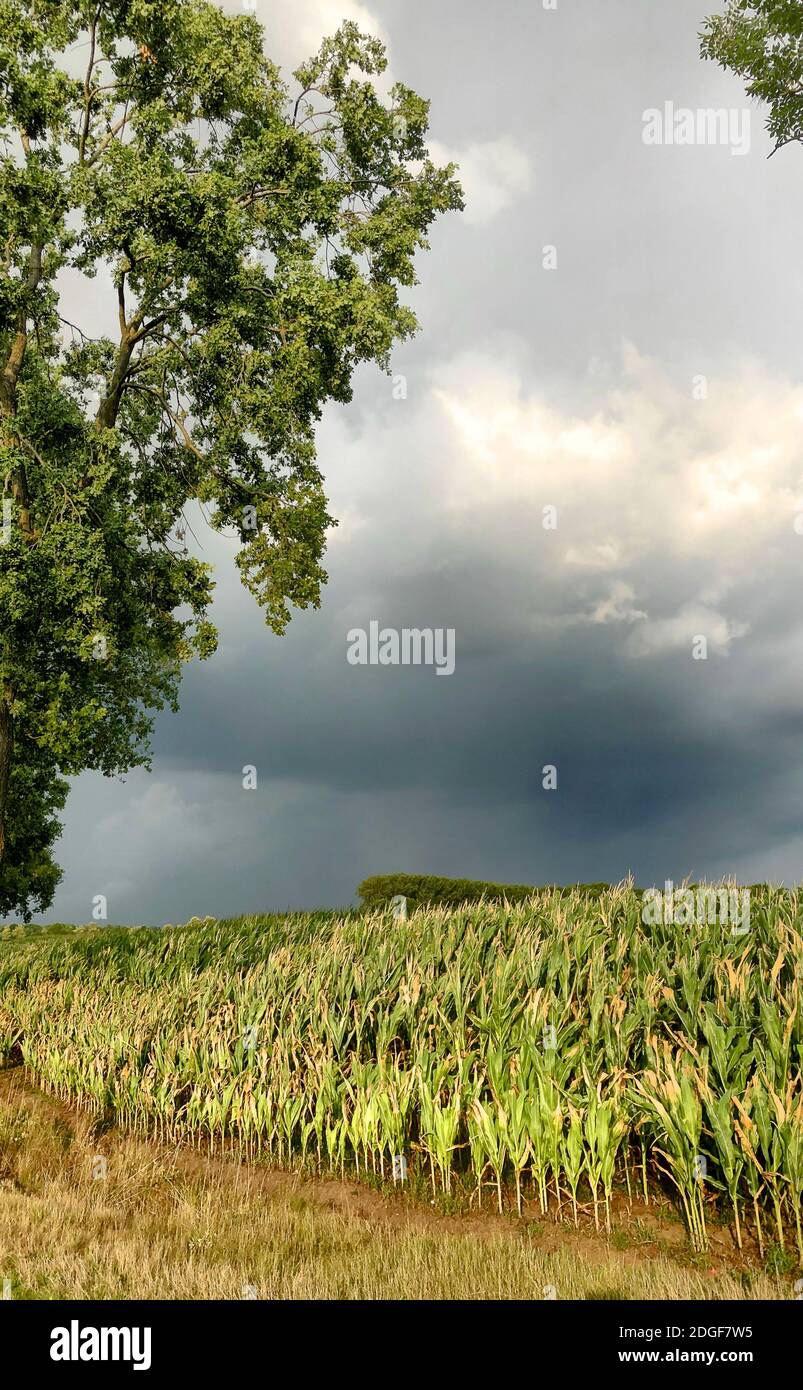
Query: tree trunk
x=8 y=395
x=18 y=482
x=6 y=753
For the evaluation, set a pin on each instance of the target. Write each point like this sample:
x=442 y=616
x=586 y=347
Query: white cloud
x=293 y=32
x=615 y=606
x=618 y=606
x=493 y=173
x=675 y=516
x=313 y=20
x=680 y=631
x=598 y=555
x=349 y=523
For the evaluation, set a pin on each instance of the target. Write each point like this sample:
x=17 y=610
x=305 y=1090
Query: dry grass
x=169 y=1225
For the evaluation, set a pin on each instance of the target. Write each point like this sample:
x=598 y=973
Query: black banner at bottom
x=156 y=1340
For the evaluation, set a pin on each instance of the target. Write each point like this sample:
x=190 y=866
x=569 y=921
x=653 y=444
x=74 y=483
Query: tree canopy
x=762 y=42
x=252 y=236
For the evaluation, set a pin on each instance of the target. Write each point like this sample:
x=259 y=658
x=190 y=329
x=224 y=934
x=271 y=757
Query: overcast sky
x=648 y=388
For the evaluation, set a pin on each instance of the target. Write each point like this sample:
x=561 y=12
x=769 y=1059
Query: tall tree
x=762 y=42
x=253 y=237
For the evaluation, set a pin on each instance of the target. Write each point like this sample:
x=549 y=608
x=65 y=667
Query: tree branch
x=88 y=94
x=178 y=420
x=110 y=135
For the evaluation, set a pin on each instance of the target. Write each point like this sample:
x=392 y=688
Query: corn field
x=543 y=1055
